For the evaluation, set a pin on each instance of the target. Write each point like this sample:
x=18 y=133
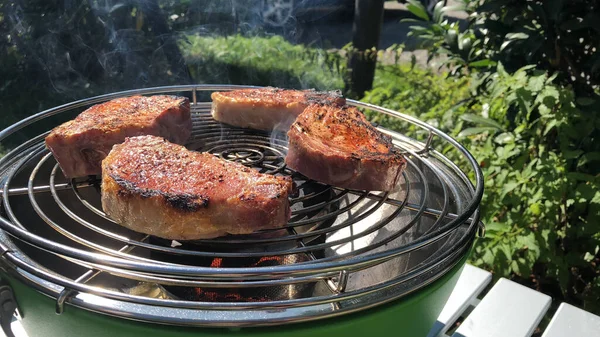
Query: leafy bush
x=261 y=61
x=419 y=92
x=534 y=71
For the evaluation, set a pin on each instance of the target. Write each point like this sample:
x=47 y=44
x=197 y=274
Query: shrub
x=534 y=71
x=419 y=92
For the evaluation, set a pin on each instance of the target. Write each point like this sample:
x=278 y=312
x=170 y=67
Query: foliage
x=419 y=92
x=259 y=60
x=534 y=71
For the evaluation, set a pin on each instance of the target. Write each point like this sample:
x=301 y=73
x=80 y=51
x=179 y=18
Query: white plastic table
x=507 y=310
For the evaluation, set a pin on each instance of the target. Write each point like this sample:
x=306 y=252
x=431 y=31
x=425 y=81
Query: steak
x=155 y=187
x=338 y=146
x=267 y=108
x=80 y=145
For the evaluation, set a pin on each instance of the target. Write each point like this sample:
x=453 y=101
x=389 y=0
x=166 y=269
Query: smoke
x=62 y=50
x=278 y=135
x=95 y=46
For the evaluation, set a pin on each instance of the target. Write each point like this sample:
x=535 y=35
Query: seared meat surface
x=155 y=187
x=338 y=146
x=267 y=108
x=80 y=145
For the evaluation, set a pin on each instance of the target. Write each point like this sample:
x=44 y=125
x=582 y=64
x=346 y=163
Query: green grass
x=265 y=61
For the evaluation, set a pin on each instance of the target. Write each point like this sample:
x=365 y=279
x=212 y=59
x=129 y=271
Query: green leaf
x=418 y=28
x=451 y=37
x=572 y=154
x=536 y=83
x=410 y=20
x=481 y=121
x=545 y=233
x=506 y=250
x=548 y=97
x=495 y=227
x=505 y=44
x=464 y=43
x=482 y=63
x=520 y=267
x=527 y=67
x=535 y=209
x=502 y=264
x=588 y=257
x=438 y=11
x=551 y=124
x=488 y=257
x=527 y=241
x=509 y=187
x=551 y=78
x=501 y=70
x=588 y=158
x=475 y=131
x=516 y=36
x=417 y=8
x=505 y=137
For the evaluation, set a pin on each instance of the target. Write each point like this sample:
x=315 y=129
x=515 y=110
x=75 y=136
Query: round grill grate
x=334 y=238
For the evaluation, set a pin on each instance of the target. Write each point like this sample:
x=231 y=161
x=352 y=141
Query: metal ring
x=357 y=261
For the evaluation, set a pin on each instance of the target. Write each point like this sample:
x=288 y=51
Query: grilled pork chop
x=80 y=145
x=155 y=187
x=267 y=108
x=338 y=146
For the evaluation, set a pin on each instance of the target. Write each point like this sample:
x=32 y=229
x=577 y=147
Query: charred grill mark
x=185 y=202
x=129 y=188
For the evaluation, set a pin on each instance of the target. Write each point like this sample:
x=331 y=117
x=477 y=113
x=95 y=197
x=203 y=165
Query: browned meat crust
x=267 y=108
x=155 y=187
x=338 y=146
x=80 y=145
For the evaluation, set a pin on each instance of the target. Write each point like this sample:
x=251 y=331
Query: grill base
x=414 y=314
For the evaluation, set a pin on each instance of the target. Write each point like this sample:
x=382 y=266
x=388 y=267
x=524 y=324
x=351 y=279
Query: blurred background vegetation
x=516 y=82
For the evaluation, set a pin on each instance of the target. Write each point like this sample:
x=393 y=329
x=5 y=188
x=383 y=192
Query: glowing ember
x=235 y=295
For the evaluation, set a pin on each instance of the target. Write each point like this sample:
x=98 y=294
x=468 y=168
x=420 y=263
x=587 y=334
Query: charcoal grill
x=396 y=253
